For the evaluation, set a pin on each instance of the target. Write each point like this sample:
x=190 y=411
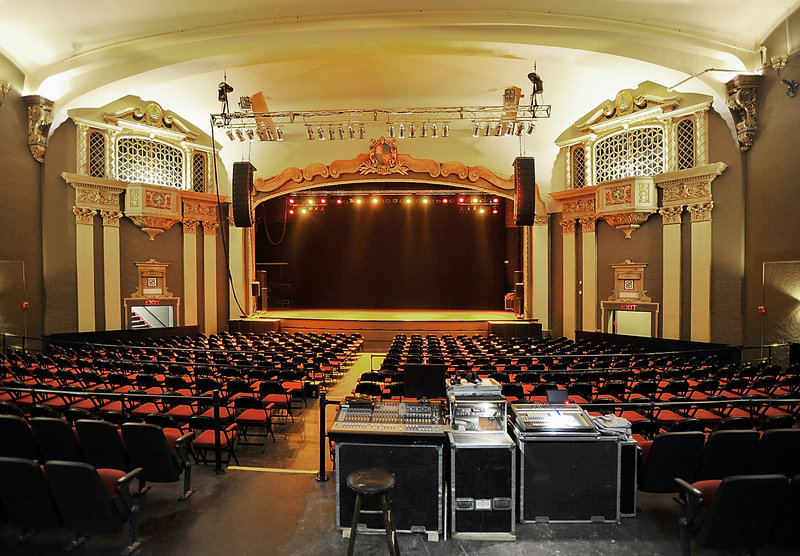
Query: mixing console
x=551 y=418
x=390 y=417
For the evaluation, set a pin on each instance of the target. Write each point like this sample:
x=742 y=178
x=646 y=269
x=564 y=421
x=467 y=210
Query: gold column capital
x=671 y=215
x=84 y=215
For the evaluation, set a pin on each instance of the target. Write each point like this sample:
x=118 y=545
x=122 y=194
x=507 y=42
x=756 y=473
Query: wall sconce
x=779 y=62
x=4 y=88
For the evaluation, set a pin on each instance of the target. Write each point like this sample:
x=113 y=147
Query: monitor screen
x=424 y=381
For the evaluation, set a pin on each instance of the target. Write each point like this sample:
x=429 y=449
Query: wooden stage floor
x=378 y=326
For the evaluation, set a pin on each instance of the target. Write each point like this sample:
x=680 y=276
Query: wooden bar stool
x=373 y=481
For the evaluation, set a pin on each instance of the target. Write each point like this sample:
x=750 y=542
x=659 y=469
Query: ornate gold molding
x=541 y=221
x=4 y=88
x=742 y=95
x=576 y=203
x=627 y=222
x=568 y=227
x=40 y=117
x=210 y=228
x=588 y=224
x=382 y=159
x=111 y=218
x=84 y=216
x=671 y=215
x=152 y=225
x=190 y=226
x=701 y=211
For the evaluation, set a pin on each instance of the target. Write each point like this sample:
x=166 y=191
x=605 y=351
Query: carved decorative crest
x=742 y=95
x=40 y=117
x=383 y=159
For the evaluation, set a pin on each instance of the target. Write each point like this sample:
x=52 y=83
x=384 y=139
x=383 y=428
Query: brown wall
x=21 y=202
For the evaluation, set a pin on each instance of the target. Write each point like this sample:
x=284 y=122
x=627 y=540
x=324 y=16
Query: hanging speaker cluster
x=525 y=191
x=242 y=198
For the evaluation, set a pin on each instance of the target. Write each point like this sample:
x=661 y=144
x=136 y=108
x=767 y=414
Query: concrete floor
x=272 y=504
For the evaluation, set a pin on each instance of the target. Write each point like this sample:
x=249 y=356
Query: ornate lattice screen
x=142 y=160
x=633 y=152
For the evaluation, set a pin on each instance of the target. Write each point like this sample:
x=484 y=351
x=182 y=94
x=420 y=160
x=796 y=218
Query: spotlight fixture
x=402 y=133
x=359 y=200
x=246 y=104
x=476 y=131
x=338 y=201
x=531 y=127
x=498 y=129
x=412 y=132
x=407 y=200
x=350 y=132
x=323 y=201
x=250 y=135
x=340 y=131
x=361 y=131
x=310 y=133
x=331 y=134
x=425 y=200
x=240 y=135
x=424 y=132
x=434 y=131
x=291 y=200
x=520 y=129
x=375 y=200
x=229 y=133
x=445 y=130
x=391 y=132
x=487 y=130
x=510 y=128
x=279 y=133
x=320 y=133
x=291 y=211
x=222 y=92
x=264 y=135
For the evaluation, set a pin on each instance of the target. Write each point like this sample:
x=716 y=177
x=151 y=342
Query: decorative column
x=589 y=273
x=671 y=273
x=540 y=271
x=210 y=277
x=190 y=272
x=84 y=258
x=701 y=271
x=111 y=269
x=569 y=283
x=239 y=256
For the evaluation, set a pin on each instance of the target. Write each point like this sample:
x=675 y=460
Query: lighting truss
x=339 y=124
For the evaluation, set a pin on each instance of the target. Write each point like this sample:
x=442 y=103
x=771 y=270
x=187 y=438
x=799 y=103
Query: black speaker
x=242 y=200
x=525 y=191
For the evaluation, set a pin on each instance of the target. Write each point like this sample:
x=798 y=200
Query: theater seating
x=26 y=496
x=161 y=454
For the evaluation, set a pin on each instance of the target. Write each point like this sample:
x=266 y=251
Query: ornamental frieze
x=627 y=222
x=152 y=225
x=693 y=185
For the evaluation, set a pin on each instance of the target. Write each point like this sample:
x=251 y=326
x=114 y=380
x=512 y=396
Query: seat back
x=786 y=532
x=16 y=438
x=743 y=512
x=147 y=448
x=778 y=452
x=56 y=439
x=726 y=453
x=673 y=454
x=25 y=495
x=82 y=498
x=102 y=444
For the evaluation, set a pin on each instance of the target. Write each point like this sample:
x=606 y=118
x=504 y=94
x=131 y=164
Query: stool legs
x=354 y=525
x=388 y=523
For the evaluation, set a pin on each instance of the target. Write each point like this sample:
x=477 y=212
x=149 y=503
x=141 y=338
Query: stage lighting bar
x=466 y=201
x=401 y=123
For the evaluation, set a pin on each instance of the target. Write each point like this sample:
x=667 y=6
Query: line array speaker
x=525 y=191
x=242 y=199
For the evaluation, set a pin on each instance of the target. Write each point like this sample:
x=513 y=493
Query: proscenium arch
x=394 y=168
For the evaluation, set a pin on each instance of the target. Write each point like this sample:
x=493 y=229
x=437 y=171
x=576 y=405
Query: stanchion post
x=323 y=402
x=217 y=444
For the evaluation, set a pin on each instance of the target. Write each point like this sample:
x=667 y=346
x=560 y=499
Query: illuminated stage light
x=375 y=200
x=359 y=200
x=229 y=133
x=291 y=211
x=303 y=211
x=291 y=201
x=445 y=201
x=482 y=210
x=494 y=210
x=425 y=201
x=474 y=200
x=338 y=201
x=323 y=201
x=310 y=202
x=407 y=200
x=495 y=200
x=461 y=199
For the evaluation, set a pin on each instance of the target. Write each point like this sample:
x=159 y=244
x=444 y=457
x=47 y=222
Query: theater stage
x=378 y=326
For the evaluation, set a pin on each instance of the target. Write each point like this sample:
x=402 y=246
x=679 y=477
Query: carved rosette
x=742 y=96
x=111 y=218
x=568 y=227
x=210 y=228
x=40 y=117
x=701 y=212
x=588 y=224
x=84 y=215
x=190 y=226
x=671 y=215
x=541 y=221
